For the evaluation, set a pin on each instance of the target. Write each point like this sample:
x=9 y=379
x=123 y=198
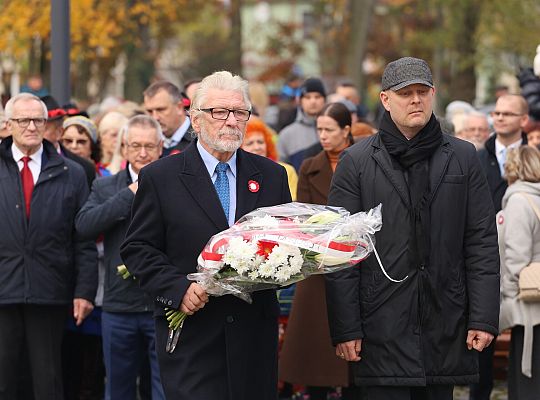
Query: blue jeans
x=127 y=338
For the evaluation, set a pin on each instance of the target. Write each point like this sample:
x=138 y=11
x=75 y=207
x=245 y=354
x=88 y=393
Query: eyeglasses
x=476 y=128
x=497 y=114
x=25 y=122
x=76 y=142
x=223 y=113
x=137 y=147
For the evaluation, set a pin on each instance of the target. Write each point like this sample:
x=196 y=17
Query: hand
x=478 y=340
x=194 y=299
x=81 y=309
x=350 y=350
x=134 y=186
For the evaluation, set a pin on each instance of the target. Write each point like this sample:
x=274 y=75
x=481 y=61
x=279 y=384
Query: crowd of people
x=147 y=185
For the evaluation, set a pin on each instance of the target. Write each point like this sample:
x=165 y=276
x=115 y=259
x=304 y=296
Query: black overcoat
x=228 y=349
x=414 y=333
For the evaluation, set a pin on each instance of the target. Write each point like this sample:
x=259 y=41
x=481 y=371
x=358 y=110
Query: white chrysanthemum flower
x=253 y=274
x=282 y=274
x=240 y=254
x=267 y=270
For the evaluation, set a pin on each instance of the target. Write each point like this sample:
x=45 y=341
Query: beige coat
x=519 y=245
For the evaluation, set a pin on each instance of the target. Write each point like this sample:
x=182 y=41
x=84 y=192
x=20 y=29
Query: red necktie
x=28 y=184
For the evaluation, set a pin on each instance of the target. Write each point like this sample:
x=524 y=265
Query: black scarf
x=412 y=156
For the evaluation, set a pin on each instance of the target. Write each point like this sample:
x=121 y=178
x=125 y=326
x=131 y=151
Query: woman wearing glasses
x=80 y=137
x=82 y=348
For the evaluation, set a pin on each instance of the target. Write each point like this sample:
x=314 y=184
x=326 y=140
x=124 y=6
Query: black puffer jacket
x=414 y=333
x=530 y=89
x=43 y=261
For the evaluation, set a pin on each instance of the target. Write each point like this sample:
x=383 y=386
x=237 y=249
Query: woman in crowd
x=82 y=348
x=519 y=245
x=108 y=129
x=259 y=139
x=308 y=357
x=80 y=137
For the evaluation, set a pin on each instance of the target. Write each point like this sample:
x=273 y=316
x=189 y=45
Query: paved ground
x=499 y=392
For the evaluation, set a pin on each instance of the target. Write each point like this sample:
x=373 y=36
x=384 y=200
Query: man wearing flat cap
x=414 y=329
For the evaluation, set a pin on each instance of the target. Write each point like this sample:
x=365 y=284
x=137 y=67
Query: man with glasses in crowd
x=167 y=105
x=509 y=118
x=127 y=323
x=228 y=349
x=45 y=265
x=475 y=129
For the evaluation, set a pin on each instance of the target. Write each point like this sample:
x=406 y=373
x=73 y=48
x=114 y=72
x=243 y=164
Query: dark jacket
x=43 y=261
x=530 y=89
x=181 y=145
x=88 y=166
x=107 y=211
x=490 y=165
x=175 y=212
x=414 y=332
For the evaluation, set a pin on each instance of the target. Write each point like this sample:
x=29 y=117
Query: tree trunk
x=235 y=38
x=463 y=81
x=361 y=12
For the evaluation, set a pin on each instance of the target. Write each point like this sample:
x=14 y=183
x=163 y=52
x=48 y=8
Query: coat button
x=422 y=267
x=230 y=319
x=169 y=302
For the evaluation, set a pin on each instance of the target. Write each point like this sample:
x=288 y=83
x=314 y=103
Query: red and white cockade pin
x=253 y=186
x=501 y=219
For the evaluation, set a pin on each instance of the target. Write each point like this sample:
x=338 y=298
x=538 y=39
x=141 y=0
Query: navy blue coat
x=42 y=260
x=107 y=211
x=228 y=349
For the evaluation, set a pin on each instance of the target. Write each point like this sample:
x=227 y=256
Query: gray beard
x=223 y=146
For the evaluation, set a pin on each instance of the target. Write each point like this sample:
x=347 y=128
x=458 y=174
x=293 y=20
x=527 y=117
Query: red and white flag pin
x=253 y=186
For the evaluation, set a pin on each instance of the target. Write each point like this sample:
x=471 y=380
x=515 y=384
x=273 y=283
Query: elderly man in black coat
x=45 y=266
x=420 y=334
x=127 y=324
x=228 y=349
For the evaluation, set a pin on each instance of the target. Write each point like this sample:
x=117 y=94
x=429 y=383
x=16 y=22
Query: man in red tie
x=44 y=266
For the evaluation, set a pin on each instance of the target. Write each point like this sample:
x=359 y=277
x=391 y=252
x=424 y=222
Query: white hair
x=144 y=121
x=20 y=97
x=222 y=80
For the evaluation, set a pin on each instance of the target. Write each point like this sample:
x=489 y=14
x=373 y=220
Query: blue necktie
x=222 y=186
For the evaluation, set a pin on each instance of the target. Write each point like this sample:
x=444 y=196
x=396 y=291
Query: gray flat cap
x=404 y=72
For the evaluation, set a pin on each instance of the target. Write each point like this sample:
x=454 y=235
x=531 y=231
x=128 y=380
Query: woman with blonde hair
x=108 y=128
x=519 y=244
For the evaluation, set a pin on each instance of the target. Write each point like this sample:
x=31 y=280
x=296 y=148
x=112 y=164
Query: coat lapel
x=246 y=171
x=438 y=167
x=198 y=183
x=395 y=177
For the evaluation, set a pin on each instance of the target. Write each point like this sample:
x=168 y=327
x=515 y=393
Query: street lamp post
x=60 y=46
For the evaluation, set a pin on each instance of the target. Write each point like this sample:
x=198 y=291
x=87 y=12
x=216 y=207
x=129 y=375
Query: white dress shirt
x=178 y=135
x=35 y=160
x=502 y=152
